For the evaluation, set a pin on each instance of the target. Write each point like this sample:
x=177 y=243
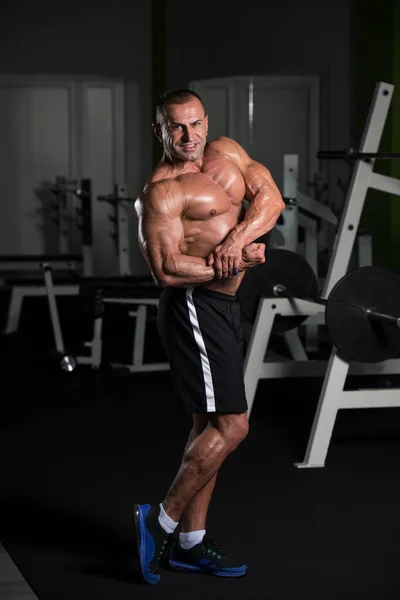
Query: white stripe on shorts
x=205 y=363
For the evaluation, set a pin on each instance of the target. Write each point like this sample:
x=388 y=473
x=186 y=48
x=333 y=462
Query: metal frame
x=267 y=310
x=262 y=364
x=79 y=262
x=122 y=223
x=333 y=396
x=140 y=314
x=33 y=263
x=138 y=365
x=19 y=291
x=51 y=290
x=62 y=216
x=120 y=204
x=362 y=179
x=84 y=222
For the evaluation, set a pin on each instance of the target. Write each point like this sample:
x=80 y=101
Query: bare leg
x=195 y=516
x=202 y=459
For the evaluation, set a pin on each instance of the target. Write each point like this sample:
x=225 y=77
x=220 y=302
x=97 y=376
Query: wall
x=395 y=170
x=373 y=62
x=90 y=38
x=269 y=38
x=376 y=42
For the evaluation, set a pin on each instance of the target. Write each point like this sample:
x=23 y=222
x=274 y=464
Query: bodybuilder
x=198 y=241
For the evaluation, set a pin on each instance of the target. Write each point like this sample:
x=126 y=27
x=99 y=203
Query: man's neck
x=182 y=165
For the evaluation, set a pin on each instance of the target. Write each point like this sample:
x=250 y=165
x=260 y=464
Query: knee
x=241 y=429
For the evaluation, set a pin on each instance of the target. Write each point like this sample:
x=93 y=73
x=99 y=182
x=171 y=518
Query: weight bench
x=33 y=286
x=139 y=292
x=61 y=262
x=10 y=264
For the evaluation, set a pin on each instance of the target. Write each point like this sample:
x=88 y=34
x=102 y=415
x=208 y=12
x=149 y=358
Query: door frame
x=77 y=84
x=311 y=82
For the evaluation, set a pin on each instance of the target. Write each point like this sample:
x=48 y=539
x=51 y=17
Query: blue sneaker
x=151 y=540
x=204 y=558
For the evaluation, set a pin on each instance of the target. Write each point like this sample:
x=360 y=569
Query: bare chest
x=216 y=190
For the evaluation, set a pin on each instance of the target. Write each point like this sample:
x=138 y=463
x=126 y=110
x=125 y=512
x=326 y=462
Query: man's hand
x=226 y=259
x=252 y=255
x=230 y=264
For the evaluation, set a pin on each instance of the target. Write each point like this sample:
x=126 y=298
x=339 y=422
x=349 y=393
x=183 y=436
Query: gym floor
x=78 y=450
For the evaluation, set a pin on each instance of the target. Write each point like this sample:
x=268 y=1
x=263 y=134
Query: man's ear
x=157 y=131
x=206 y=122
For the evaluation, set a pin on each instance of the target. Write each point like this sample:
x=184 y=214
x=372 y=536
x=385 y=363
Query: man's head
x=181 y=125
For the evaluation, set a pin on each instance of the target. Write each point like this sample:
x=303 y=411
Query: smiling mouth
x=188 y=147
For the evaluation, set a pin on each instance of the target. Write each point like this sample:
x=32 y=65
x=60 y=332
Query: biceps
x=160 y=239
x=258 y=178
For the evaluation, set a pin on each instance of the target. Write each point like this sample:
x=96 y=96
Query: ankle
x=188 y=526
x=172 y=509
x=167 y=523
x=192 y=538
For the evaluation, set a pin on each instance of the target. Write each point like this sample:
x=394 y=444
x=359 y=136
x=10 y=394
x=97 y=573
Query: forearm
x=181 y=270
x=260 y=217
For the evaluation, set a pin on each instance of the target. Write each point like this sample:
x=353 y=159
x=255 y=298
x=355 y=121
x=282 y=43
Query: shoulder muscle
x=162 y=198
x=231 y=149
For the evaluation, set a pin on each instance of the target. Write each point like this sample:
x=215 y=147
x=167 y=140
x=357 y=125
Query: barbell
x=354 y=154
x=362 y=312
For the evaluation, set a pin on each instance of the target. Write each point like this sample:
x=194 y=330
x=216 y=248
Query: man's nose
x=187 y=134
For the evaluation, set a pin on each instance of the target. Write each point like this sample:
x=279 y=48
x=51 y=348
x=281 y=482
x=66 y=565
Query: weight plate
x=281 y=267
x=356 y=337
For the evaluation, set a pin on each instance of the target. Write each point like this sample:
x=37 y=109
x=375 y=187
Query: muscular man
x=198 y=241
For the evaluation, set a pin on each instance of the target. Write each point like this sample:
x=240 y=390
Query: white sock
x=165 y=521
x=190 y=539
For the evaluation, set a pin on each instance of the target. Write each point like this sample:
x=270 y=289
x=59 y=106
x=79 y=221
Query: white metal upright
x=333 y=395
x=362 y=178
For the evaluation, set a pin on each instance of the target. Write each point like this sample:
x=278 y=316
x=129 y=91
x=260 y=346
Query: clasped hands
x=231 y=257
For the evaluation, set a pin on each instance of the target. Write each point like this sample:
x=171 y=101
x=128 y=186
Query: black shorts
x=202 y=337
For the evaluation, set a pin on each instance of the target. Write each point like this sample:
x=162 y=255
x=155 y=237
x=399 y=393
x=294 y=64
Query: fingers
x=217 y=267
x=231 y=265
x=226 y=269
x=225 y=265
x=227 y=261
x=236 y=263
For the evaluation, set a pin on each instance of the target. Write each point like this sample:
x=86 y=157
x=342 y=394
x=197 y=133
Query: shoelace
x=209 y=547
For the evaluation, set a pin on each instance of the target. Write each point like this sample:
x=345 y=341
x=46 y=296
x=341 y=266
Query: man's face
x=184 y=130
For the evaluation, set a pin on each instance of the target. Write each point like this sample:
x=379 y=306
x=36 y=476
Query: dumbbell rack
x=121 y=204
x=67 y=213
x=333 y=396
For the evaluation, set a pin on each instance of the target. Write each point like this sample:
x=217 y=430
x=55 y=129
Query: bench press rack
x=333 y=396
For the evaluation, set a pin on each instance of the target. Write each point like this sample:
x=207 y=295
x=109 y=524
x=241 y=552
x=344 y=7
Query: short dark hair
x=177 y=96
